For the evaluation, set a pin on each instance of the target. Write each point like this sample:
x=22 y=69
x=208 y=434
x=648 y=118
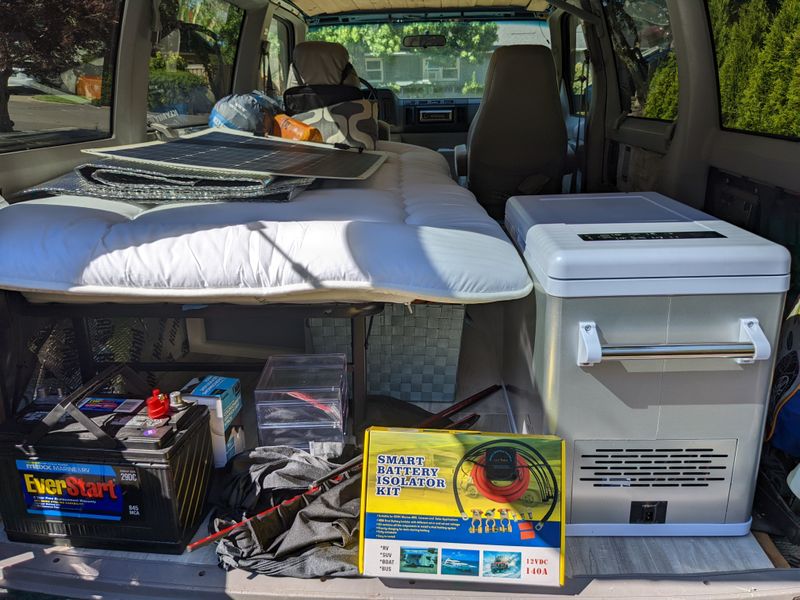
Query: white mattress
x=407 y=233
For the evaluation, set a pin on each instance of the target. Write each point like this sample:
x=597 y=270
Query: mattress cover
x=407 y=233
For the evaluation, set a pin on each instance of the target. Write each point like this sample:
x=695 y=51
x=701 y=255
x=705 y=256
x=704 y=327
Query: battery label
x=84 y=491
x=108 y=404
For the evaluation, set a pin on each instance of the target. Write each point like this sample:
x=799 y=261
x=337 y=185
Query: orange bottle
x=292 y=129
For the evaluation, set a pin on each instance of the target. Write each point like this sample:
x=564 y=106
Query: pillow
x=354 y=122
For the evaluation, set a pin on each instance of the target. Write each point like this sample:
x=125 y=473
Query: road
x=31 y=115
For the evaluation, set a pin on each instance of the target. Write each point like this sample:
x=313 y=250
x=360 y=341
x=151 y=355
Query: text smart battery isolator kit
x=460 y=505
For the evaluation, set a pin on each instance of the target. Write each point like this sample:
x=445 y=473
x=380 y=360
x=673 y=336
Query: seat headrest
x=511 y=65
x=321 y=63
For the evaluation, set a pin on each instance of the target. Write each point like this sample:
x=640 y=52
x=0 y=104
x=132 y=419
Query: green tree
x=767 y=91
x=720 y=12
x=737 y=57
x=662 y=96
x=791 y=116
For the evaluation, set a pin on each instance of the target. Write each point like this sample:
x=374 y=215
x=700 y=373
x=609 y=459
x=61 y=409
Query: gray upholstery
x=320 y=63
x=518 y=141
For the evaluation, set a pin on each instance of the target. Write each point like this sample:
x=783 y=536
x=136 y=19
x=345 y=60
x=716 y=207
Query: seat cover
x=517 y=141
x=321 y=63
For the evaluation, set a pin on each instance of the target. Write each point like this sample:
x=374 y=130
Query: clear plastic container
x=313 y=413
x=302 y=399
x=298 y=437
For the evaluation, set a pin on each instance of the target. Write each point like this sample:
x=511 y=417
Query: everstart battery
x=94 y=470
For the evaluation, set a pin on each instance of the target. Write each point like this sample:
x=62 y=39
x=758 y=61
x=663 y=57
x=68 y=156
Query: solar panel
x=227 y=151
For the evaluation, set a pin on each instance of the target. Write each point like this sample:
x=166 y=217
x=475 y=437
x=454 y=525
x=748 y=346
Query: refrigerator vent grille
x=660 y=466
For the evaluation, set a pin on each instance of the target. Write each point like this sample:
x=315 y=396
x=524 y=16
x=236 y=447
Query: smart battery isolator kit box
x=462 y=506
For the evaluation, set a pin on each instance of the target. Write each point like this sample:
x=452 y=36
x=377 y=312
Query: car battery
x=94 y=470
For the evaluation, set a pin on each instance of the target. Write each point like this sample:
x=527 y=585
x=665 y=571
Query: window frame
x=426 y=69
x=367 y=69
x=112 y=113
x=722 y=127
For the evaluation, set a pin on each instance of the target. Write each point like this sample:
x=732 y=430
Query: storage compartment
x=302 y=399
x=652 y=357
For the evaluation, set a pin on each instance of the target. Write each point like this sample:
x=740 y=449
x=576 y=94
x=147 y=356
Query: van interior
x=662 y=133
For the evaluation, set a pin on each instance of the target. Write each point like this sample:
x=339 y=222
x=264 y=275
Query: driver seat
x=517 y=142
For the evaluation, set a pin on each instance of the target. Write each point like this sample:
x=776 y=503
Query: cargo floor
x=596 y=567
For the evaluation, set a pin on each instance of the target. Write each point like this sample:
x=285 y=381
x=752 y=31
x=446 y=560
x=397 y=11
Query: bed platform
x=407 y=233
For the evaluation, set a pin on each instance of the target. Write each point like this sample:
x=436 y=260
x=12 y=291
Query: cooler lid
x=639 y=244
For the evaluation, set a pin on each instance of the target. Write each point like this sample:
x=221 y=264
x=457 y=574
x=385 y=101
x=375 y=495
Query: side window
x=56 y=72
x=580 y=90
x=646 y=65
x=757 y=43
x=275 y=61
x=192 y=60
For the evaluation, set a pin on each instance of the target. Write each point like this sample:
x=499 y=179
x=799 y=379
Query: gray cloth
x=314 y=537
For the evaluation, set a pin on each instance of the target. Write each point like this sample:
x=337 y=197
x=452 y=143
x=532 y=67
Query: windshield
x=456 y=70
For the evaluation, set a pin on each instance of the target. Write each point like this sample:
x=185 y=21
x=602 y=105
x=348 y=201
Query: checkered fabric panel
x=411 y=356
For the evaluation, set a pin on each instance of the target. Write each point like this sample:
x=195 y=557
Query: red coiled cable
x=501 y=493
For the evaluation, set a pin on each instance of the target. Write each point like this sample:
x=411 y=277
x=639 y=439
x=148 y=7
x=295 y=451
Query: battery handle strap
x=67 y=406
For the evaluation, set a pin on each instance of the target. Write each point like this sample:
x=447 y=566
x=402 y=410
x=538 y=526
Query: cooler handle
x=752 y=345
x=67 y=406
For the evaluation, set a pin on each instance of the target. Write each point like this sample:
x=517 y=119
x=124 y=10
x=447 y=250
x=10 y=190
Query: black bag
x=303 y=98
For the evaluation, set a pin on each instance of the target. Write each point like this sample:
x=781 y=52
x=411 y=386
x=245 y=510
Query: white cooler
x=652 y=357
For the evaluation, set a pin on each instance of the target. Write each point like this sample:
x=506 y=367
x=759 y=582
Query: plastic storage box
x=302 y=399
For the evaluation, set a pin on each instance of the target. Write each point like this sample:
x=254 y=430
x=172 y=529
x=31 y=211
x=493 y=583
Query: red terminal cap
x=157 y=405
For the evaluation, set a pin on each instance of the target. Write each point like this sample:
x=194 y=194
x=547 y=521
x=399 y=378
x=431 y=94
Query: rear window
x=56 y=71
x=757 y=44
x=457 y=70
x=647 y=69
x=192 y=60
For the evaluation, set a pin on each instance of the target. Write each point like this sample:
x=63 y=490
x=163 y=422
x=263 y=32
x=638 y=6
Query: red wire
x=310 y=399
x=501 y=493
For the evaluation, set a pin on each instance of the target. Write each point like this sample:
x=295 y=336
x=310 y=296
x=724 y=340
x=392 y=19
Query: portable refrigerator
x=651 y=355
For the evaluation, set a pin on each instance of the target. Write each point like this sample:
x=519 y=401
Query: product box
x=463 y=506
x=223 y=396
x=227 y=445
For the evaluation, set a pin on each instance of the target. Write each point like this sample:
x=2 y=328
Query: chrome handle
x=751 y=346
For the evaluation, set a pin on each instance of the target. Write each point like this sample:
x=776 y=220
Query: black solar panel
x=227 y=152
